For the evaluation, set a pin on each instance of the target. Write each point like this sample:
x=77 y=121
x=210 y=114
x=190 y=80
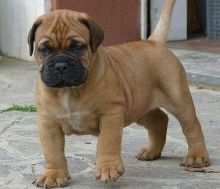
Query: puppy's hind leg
x=179 y=102
x=155 y=122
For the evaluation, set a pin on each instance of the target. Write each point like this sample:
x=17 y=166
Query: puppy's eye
x=44 y=49
x=77 y=45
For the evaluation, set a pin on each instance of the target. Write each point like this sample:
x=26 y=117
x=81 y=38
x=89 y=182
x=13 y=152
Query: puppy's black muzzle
x=63 y=70
x=61 y=67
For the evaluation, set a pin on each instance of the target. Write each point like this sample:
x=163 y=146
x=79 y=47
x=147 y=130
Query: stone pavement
x=21 y=157
x=202 y=68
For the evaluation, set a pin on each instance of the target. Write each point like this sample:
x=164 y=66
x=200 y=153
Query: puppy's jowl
x=84 y=88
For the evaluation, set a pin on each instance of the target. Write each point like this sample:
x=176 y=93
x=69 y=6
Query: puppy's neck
x=97 y=67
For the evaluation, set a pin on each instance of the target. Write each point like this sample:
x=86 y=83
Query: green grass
x=15 y=107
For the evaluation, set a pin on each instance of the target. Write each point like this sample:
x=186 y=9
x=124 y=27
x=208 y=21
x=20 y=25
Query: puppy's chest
x=77 y=119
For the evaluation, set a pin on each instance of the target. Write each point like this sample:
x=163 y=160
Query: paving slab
x=203 y=68
x=21 y=158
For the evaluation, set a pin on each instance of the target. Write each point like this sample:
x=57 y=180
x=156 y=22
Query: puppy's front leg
x=52 y=141
x=109 y=166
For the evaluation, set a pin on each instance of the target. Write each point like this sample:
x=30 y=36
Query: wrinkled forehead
x=60 y=27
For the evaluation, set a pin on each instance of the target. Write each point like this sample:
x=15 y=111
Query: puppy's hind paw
x=196 y=160
x=146 y=154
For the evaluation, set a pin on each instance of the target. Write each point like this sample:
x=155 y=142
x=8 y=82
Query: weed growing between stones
x=15 y=107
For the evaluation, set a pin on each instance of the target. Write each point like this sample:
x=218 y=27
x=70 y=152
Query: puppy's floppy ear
x=96 y=33
x=31 y=36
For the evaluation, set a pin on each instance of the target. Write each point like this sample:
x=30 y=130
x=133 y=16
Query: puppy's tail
x=160 y=34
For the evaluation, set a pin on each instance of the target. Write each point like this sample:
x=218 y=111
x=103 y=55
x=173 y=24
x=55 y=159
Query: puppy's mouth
x=63 y=70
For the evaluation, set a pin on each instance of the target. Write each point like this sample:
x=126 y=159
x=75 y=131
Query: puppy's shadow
x=178 y=159
x=171 y=158
x=93 y=183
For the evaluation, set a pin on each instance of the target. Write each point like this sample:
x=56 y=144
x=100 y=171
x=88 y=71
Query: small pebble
x=200 y=87
x=87 y=142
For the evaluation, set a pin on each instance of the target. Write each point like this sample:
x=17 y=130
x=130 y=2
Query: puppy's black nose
x=60 y=67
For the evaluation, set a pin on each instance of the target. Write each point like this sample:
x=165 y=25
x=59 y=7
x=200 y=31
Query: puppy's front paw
x=109 y=171
x=53 y=178
x=196 y=159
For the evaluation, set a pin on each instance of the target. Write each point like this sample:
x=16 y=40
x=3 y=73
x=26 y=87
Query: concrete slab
x=202 y=68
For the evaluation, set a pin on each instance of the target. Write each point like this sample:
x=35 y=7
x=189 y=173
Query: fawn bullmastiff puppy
x=84 y=88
